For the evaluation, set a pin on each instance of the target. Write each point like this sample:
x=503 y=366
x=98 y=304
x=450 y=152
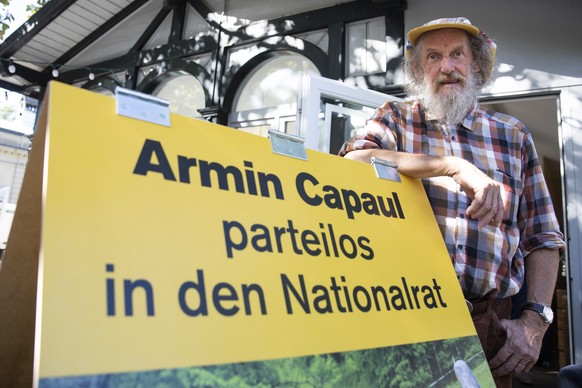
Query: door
x=540 y=114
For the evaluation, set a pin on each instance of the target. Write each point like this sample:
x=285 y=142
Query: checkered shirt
x=490 y=259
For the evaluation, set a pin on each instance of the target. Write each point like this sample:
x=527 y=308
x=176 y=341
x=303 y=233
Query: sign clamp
x=288 y=145
x=142 y=106
x=386 y=169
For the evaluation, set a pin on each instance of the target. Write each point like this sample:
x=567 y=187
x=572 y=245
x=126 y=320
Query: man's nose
x=447 y=65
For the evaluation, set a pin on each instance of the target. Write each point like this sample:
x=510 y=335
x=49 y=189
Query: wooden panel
x=118 y=39
x=115 y=6
x=34 y=53
x=48 y=41
x=97 y=9
x=63 y=35
x=83 y=16
x=67 y=24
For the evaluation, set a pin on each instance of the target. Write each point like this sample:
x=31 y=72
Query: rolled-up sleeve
x=377 y=133
x=539 y=225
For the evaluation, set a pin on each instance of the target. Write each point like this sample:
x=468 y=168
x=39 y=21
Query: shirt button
x=462 y=216
x=453 y=138
x=460 y=247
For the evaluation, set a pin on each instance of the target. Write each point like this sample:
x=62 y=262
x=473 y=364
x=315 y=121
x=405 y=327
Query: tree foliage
x=33 y=7
x=6 y=17
x=415 y=365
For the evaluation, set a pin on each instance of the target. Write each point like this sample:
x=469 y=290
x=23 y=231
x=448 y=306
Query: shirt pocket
x=513 y=189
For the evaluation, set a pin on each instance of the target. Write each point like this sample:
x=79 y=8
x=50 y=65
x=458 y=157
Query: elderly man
x=483 y=179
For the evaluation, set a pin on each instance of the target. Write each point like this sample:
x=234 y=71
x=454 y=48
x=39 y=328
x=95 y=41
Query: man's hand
x=523 y=345
x=486 y=194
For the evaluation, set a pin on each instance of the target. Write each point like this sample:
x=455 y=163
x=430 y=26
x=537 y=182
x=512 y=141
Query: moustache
x=451 y=77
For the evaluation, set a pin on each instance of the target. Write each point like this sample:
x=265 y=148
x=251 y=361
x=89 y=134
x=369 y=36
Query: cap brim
x=415 y=33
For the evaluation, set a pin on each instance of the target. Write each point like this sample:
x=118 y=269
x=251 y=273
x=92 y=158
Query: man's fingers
x=519 y=353
x=487 y=219
x=496 y=212
x=499 y=214
x=482 y=211
x=487 y=207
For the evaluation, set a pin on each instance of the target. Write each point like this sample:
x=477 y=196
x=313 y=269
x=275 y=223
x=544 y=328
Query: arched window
x=184 y=92
x=179 y=81
x=267 y=97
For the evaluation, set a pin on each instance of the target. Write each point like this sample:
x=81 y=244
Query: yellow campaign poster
x=193 y=253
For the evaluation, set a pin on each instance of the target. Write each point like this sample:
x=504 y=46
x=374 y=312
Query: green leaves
x=32 y=8
x=5 y=18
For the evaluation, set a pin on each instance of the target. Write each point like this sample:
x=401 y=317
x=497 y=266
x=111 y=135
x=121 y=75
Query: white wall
x=539 y=49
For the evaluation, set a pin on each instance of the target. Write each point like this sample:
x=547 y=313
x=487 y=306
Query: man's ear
x=475 y=68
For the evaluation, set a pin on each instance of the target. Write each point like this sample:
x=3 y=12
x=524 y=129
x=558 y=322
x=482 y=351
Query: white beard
x=449 y=106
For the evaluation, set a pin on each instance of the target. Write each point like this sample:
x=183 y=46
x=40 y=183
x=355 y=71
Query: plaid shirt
x=490 y=259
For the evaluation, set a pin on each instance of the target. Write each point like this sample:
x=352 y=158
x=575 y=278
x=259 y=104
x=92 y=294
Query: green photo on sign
x=429 y=364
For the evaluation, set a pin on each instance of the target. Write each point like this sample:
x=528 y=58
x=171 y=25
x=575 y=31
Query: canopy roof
x=82 y=36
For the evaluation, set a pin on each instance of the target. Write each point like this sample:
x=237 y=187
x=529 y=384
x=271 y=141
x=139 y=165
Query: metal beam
x=321 y=18
x=12 y=87
x=178 y=20
x=180 y=49
x=150 y=30
x=26 y=73
x=111 y=66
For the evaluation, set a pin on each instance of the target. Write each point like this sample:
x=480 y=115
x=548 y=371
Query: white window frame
x=311 y=90
x=274 y=117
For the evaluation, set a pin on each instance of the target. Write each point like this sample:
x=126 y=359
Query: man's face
x=446 y=60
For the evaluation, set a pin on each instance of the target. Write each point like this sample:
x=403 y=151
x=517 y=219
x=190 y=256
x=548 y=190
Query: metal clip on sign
x=386 y=169
x=142 y=106
x=288 y=145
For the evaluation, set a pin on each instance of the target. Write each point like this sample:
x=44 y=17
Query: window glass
x=185 y=94
x=274 y=83
x=366 y=47
x=267 y=98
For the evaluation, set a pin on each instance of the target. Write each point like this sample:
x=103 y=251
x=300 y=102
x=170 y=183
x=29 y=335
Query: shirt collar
x=471 y=120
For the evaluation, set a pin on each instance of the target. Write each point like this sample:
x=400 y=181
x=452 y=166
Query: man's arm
x=525 y=335
x=487 y=203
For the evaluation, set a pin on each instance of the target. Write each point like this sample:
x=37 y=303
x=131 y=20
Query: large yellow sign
x=190 y=245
